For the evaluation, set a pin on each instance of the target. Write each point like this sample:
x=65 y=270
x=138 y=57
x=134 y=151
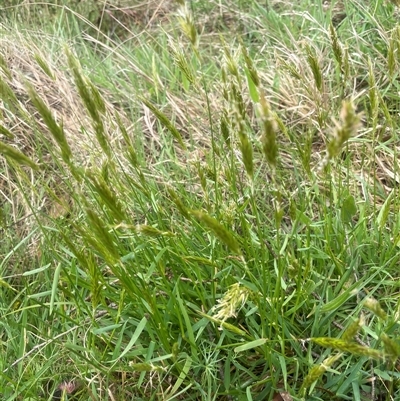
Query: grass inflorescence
x=202 y=208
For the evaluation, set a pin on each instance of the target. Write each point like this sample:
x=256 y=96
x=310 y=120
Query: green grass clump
x=196 y=214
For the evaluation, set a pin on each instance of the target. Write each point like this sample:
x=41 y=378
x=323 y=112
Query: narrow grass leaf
x=140 y=327
x=385 y=210
x=182 y=376
x=54 y=287
x=339 y=300
x=4 y=67
x=189 y=328
x=251 y=345
x=253 y=91
x=36 y=271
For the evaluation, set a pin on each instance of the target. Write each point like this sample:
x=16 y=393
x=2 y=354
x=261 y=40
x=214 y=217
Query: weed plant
x=202 y=215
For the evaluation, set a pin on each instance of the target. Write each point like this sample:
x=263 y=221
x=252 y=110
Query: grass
x=202 y=208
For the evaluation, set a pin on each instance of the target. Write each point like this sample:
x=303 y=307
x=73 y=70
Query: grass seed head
x=348 y=127
x=374 y=306
x=348 y=346
x=250 y=66
x=186 y=22
x=353 y=329
x=181 y=61
x=391 y=346
x=246 y=147
x=219 y=230
x=336 y=47
x=10 y=153
x=315 y=68
x=268 y=131
x=55 y=129
x=317 y=371
x=232 y=301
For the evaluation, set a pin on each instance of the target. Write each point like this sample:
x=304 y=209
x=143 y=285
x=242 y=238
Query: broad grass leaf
x=349 y=209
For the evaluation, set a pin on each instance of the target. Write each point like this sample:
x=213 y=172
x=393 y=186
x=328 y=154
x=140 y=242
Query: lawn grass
x=201 y=206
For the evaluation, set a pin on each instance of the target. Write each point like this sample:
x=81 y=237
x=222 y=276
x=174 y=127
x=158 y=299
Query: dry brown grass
x=25 y=62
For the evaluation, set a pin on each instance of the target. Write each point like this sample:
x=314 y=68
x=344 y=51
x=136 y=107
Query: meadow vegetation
x=199 y=200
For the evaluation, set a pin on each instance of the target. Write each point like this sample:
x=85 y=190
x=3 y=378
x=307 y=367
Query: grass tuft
x=199 y=201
